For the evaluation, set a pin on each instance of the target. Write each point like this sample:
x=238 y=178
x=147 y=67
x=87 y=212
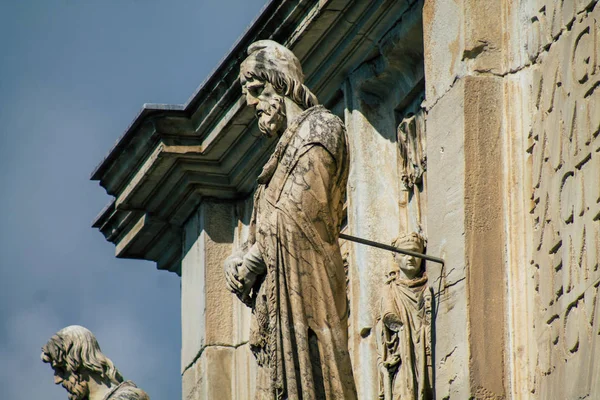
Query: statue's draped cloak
x=299 y=326
x=126 y=391
x=409 y=348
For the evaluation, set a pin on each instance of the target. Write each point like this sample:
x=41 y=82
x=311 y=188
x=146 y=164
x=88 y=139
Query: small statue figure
x=411 y=139
x=292 y=276
x=81 y=368
x=404 y=327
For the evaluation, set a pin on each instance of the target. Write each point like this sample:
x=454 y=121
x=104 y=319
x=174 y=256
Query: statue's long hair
x=76 y=349
x=285 y=85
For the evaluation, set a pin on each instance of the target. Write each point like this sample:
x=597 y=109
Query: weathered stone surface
x=193 y=302
x=292 y=275
x=518 y=122
x=403 y=330
x=446 y=173
x=370 y=195
x=413 y=157
x=244 y=372
x=413 y=200
x=564 y=150
x=380 y=93
x=221 y=372
x=483 y=44
x=484 y=234
x=443 y=42
x=213 y=323
x=465 y=221
x=206 y=307
x=211 y=376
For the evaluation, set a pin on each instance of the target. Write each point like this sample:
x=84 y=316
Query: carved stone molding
x=173 y=156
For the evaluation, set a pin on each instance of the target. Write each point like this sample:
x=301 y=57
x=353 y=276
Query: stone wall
x=510 y=140
x=563 y=190
x=514 y=184
x=465 y=203
x=379 y=95
x=215 y=358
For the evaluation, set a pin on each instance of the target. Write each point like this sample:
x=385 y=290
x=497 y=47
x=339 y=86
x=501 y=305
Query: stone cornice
x=172 y=156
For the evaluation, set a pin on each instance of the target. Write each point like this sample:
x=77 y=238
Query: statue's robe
x=299 y=327
x=126 y=391
x=404 y=354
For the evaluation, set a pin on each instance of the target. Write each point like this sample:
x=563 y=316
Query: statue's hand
x=241 y=273
x=247 y=278
x=232 y=265
x=392 y=322
x=392 y=361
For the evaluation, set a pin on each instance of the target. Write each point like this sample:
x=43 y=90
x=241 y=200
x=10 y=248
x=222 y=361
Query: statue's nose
x=251 y=101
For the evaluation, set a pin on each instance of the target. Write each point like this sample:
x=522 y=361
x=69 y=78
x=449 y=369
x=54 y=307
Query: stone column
x=215 y=362
x=513 y=156
x=373 y=212
x=466 y=195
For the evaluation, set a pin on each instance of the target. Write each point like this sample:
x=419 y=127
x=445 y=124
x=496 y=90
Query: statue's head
x=269 y=74
x=409 y=265
x=75 y=356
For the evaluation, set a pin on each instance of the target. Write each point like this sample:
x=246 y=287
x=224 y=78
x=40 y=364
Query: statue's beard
x=272 y=120
x=75 y=387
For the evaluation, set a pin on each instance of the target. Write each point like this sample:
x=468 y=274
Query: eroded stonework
x=403 y=330
x=565 y=193
x=411 y=139
x=293 y=275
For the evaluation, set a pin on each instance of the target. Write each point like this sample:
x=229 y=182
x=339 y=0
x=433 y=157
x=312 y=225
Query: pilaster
x=466 y=136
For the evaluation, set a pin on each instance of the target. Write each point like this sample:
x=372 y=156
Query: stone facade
x=562 y=188
x=474 y=122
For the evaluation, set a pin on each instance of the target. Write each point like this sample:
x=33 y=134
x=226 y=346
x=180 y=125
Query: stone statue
x=404 y=327
x=292 y=274
x=411 y=139
x=81 y=368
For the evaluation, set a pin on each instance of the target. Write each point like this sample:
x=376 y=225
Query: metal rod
x=391 y=248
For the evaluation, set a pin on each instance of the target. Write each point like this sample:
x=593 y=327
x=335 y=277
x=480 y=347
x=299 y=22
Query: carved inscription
x=565 y=194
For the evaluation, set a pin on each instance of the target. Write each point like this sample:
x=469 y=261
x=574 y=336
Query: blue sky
x=73 y=74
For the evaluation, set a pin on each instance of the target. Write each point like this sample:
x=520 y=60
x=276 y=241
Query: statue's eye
x=255 y=88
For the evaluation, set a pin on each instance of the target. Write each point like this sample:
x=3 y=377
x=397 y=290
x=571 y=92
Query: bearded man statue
x=81 y=368
x=292 y=274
